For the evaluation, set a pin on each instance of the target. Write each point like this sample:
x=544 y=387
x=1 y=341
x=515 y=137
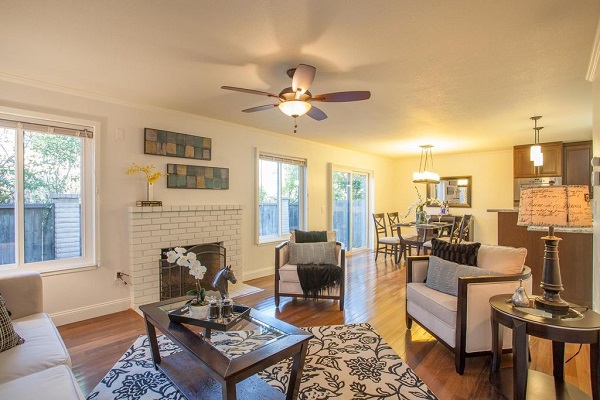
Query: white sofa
x=40 y=367
x=462 y=323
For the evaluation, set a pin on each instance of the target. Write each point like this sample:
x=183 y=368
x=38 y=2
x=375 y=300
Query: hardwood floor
x=375 y=294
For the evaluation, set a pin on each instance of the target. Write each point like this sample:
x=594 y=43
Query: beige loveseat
x=462 y=322
x=40 y=368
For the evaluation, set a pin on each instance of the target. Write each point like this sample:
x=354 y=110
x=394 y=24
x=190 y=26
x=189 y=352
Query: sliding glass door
x=350 y=207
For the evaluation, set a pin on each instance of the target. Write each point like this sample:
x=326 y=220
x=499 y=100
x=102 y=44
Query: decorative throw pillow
x=442 y=275
x=310 y=236
x=502 y=259
x=8 y=336
x=312 y=253
x=465 y=254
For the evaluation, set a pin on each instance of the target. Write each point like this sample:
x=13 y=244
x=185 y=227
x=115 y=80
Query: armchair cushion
x=310 y=236
x=442 y=275
x=502 y=259
x=8 y=337
x=312 y=253
x=465 y=254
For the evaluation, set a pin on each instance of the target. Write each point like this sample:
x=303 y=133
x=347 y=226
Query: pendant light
x=425 y=175
x=535 y=152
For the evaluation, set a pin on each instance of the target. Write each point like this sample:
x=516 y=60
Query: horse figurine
x=224 y=275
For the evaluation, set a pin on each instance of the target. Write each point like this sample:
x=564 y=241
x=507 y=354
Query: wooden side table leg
x=520 y=357
x=497 y=340
x=595 y=368
x=296 y=374
x=151 y=332
x=558 y=360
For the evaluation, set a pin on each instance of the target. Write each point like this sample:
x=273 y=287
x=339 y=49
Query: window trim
x=89 y=194
x=303 y=195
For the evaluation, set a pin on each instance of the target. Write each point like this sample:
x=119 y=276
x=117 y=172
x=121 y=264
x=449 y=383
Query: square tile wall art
x=165 y=143
x=196 y=177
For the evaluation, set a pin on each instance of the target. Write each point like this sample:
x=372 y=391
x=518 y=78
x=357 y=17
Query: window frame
x=90 y=246
x=302 y=194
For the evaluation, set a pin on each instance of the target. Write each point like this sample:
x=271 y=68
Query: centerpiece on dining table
x=421 y=215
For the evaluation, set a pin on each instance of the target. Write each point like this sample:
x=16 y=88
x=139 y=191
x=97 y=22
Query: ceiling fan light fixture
x=294 y=108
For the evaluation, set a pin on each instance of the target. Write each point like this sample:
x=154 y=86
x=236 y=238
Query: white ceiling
x=462 y=75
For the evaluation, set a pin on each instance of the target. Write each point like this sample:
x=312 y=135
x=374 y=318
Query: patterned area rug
x=343 y=362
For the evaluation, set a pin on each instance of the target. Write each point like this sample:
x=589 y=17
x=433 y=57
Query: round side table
x=518 y=382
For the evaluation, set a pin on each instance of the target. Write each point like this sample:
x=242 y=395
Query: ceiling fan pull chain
x=295 y=124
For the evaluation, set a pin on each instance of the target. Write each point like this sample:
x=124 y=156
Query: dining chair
x=447 y=233
x=465 y=227
x=393 y=219
x=388 y=245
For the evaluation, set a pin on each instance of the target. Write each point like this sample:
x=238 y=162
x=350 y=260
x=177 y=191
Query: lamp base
x=554 y=306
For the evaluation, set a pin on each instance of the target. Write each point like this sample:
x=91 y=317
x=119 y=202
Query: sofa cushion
x=501 y=259
x=331 y=236
x=442 y=305
x=464 y=254
x=8 y=337
x=289 y=273
x=43 y=348
x=442 y=275
x=56 y=383
x=312 y=253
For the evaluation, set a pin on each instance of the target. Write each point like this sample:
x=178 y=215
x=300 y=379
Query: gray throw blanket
x=317 y=277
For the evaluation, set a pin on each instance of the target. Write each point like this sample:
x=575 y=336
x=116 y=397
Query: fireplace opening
x=176 y=281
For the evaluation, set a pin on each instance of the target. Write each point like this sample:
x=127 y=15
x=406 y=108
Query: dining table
x=424 y=232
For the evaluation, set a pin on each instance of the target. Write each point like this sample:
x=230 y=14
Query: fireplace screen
x=176 y=280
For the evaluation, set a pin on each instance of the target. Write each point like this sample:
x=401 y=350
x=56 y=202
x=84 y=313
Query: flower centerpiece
x=151 y=176
x=184 y=258
x=419 y=207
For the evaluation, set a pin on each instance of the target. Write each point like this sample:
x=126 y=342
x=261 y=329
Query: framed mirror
x=456 y=190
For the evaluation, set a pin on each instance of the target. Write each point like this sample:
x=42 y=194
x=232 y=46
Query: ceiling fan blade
x=316 y=113
x=259 y=108
x=342 y=96
x=303 y=78
x=251 y=91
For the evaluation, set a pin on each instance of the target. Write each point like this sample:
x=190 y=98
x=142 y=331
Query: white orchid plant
x=184 y=258
x=422 y=202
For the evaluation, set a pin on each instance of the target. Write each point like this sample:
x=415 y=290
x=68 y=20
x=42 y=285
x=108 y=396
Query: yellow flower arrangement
x=151 y=176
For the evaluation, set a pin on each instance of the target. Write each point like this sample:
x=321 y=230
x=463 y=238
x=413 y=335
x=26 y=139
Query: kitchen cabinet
x=553 y=161
x=577 y=169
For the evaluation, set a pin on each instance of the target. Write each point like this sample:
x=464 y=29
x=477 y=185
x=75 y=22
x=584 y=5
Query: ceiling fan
x=296 y=100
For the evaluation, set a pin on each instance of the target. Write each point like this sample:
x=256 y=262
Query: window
x=47 y=202
x=281 y=196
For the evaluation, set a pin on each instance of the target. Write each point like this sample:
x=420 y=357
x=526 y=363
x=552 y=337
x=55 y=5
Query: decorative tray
x=183 y=315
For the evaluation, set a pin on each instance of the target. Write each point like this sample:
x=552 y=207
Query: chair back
x=380 y=227
x=393 y=219
x=447 y=231
x=465 y=226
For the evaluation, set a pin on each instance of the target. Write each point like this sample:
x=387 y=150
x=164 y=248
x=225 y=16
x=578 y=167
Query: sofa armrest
x=416 y=268
x=23 y=292
x=473 y=308
x=282 y=255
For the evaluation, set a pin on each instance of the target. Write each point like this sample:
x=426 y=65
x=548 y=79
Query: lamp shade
x=562 y=206
x=295 y=108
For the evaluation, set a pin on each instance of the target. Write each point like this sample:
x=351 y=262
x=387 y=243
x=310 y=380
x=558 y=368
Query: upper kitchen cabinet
x=553 y=166
x=577 y=169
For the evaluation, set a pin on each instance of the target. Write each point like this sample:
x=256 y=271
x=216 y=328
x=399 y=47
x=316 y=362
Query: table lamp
x=554 y=206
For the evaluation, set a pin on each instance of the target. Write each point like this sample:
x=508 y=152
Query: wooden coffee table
x=212 y=368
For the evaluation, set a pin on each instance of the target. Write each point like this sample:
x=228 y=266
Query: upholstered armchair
x=287 y=282
x=462 y=322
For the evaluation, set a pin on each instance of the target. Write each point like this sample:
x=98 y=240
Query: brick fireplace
x=152 y=229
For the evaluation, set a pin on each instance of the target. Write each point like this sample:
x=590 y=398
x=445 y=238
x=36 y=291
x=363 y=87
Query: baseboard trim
x=259 y=273
x=93 y=311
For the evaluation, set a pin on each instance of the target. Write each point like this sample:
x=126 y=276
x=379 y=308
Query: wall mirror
x=456 y=190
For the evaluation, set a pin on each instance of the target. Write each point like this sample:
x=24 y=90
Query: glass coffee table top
x=241 y=333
